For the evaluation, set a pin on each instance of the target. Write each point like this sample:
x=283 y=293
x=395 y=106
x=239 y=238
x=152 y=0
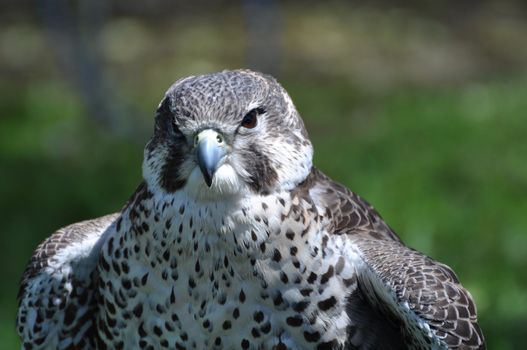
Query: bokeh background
x=419 y=106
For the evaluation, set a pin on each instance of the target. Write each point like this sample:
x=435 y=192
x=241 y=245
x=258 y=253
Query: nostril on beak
x=210 y=150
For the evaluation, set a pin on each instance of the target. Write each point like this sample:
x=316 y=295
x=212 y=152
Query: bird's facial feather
x=268 y=146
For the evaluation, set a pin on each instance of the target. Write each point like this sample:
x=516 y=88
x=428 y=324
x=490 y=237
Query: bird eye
x=251 y=119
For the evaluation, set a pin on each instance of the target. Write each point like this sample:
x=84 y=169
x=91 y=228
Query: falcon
x=234 y=240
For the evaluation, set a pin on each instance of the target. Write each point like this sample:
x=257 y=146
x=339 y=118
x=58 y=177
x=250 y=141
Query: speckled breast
x=184 y=275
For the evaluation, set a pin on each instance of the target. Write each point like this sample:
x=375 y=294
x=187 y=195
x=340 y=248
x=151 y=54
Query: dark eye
x=251 y=119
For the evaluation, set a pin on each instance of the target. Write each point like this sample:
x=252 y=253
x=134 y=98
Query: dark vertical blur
x=73 y=30
x=264 y=34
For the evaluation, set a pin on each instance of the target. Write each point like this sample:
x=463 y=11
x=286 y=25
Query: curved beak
x=210 y=150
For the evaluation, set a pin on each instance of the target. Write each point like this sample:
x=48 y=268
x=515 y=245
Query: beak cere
x=210 y=150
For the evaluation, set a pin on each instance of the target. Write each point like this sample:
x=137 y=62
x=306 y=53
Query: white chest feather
x=245 y=274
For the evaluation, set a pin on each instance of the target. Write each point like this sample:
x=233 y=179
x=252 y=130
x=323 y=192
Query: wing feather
x=398 y=287
x=57 y=291
x=422 y=293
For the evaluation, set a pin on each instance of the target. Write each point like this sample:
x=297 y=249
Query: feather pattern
x=57 y=297
x=422 y=297
x=268 y=254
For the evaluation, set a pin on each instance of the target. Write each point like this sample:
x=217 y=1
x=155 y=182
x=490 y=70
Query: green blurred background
x=419 y=106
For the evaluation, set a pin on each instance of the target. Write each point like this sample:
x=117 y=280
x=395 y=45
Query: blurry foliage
x=418 y=107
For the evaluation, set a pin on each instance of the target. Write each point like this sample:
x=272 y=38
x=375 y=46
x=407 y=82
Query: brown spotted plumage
x=57 y=298
x=235 y=241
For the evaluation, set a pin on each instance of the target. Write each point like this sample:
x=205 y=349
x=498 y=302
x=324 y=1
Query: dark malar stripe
x=263 y=175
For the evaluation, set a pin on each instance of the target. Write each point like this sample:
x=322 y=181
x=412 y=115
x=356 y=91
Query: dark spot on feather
x=327 y=275
x=277 y=256
x=327 y=345
x=283 y=277
x=301 y=305
x=312 y=336
x=293 y=250
x=258 y=316
x=327 y=304
x=312 y=277
x=294 y=321
x=266 y=327
x=255 y=333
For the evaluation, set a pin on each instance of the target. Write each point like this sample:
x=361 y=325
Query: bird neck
x=233 y=226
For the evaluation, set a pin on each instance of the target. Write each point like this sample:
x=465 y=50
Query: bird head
x=227 y=134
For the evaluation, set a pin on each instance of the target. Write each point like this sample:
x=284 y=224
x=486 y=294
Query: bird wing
x=420 y=294
x=404 y=299
x=57 y=291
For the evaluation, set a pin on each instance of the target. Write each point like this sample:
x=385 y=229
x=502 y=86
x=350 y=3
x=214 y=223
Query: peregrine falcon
x=234 y=240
